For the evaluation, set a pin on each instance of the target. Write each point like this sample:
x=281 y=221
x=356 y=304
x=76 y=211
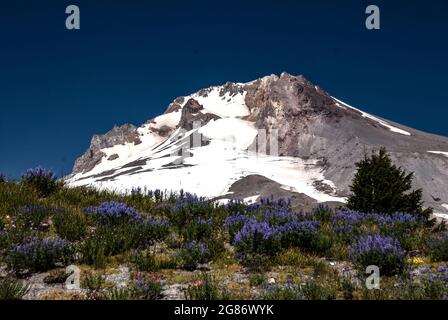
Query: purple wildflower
x=114 y=212
x=382 y=251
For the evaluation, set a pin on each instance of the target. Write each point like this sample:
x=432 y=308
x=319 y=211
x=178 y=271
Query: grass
x=299 y=273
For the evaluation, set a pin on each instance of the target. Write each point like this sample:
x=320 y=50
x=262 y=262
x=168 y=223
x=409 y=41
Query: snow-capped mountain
x=276 y=135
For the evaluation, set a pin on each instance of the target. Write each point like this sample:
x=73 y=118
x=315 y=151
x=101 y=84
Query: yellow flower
x=415 y=260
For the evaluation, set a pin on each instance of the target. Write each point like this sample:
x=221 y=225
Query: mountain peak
x=281 y=128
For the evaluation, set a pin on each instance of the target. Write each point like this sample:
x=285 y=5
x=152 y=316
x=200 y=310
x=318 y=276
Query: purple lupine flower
x=114 y=212
x=136 y=191
x=252 y=228
x=298 y=233
x=236 y=220
x=377 y=243
x=278 y=216
x=194 y=252
x=39 y=254
x=40 y=173
x=382 y=251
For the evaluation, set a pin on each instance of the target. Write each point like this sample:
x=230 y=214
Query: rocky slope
x=277 y=135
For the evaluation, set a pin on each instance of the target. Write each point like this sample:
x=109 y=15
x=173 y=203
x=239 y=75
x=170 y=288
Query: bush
x=93 y=282
x=92 y=252
x=275 y=292
x=2 y=178
x=257 y=279
x=348 y=225
x=294 y=257
x=144 y=261
x=189 y=208
x=307 y=291
x=120 y=294
x=43 y=180
x=31 y=216
x=205 y=288
x=11 y=289
x=193 y=253
x=256 y=238
x=439 y=247
x=38 y=254
x=322 y=213
x=235 y=223
x=146 y=289
x=141 y=289
x=70 y=226
x=199 y=229
x=114 y=213
x=425 y=284
x=298 y=234
x=383 y=252
x=109 y=240
x=380 y=186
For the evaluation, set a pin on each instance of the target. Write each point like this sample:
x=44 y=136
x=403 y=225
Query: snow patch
x=235 y=131
x=225 y=106
x=369 y=116
x=441 y=215
x=171 y=119
x=252 y=199
x=443 y=153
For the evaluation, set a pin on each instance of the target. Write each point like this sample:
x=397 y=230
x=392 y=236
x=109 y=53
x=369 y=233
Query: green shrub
x=307 y=291
x=144 y=261
x=314 y=291
x=205 y=288
x=257 y=279
x=69 y=225
x=149 y=262
x=347 y=287
x=294 y=257
x=383 y=252
x=380 y=186
x=438 y=245
x=193 y=253
x=281 y=293
x=14 y=196
x=141 y=289
x=37 y=254
x=256 y=262
x=43 y=180
x=92 y=252
x=12 y=289
x=145 y=289
x=31 y=216
x=118 y=294
x=198 y=229
x=93 y=282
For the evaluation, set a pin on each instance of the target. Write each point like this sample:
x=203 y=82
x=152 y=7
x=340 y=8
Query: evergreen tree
x=380 y=186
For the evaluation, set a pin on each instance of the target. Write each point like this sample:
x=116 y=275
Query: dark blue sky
x=131 y=58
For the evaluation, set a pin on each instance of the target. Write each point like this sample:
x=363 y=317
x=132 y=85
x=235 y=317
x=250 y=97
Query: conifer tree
x=380 y=186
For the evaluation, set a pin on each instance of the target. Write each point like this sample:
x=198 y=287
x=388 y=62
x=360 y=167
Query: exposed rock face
x=191 y=113
x=118 y=135
x=311 y=124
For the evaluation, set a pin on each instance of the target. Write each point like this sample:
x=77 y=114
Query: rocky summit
x=278 y=135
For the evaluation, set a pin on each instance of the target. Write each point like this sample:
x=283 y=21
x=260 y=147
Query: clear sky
x=131 y=58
